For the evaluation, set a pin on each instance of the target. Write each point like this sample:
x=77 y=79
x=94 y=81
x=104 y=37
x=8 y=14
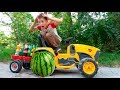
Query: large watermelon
x=43 y=63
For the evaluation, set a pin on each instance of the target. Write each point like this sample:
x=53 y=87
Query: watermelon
x=30 y=47
x=26 y=51
x=29 y=52
x=20 y=52
x=42 y=63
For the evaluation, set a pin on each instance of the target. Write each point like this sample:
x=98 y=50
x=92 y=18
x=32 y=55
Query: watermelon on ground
x=43 y=63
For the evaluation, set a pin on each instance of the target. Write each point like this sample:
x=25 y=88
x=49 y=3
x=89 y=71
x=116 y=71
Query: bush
x=109 y=59
x=5 y=53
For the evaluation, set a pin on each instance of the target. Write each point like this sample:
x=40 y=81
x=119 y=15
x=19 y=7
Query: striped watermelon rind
x=43 y=63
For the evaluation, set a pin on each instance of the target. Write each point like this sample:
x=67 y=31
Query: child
x=48 y=30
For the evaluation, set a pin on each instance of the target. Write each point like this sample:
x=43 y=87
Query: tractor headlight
x=97 y=55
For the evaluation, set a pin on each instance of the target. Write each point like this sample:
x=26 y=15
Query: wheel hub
x=14 y=66
x=88 y=67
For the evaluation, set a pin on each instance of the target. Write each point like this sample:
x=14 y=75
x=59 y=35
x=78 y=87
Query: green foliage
x=20 y=25
x=109 y=59
x=6 y=52
x=4 y=40
x=103 y=32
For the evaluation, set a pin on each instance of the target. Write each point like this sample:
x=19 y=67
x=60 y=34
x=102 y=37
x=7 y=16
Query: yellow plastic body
x=79 y=48
x=43 y=48
x=89 y=50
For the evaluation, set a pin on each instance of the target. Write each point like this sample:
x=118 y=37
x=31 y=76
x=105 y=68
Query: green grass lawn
x=109 y=59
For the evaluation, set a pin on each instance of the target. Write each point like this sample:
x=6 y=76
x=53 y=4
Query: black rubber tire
x=26 y=66
x=80 y=67
x=19 y=64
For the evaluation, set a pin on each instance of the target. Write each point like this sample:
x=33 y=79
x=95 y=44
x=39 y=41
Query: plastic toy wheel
x=26 y=65
x=15 y=66
x=88 y=67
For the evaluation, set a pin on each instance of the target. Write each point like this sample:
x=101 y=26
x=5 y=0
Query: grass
x=5 y=53
x=109 y=59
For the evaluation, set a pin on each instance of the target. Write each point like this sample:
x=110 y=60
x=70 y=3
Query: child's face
x=42 y=22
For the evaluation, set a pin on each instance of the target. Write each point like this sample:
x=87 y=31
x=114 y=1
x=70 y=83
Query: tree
x=99 y=29
x=3 y=39
x=20 y=23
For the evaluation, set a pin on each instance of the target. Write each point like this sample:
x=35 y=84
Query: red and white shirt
x=51 y=28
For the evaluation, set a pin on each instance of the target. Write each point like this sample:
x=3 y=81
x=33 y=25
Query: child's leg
x=53 y=40
x=45 y=38
x=41 y=41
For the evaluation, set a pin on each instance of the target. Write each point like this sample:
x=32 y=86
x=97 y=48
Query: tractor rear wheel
x=26 y=66
x=15 y=66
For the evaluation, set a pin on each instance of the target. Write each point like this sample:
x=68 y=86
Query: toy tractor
x=84 y=57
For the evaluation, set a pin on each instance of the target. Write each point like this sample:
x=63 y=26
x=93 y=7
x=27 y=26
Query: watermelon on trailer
x=43 y=63
x=21 y=50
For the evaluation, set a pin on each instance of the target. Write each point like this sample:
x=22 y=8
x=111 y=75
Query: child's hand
x=36 y=20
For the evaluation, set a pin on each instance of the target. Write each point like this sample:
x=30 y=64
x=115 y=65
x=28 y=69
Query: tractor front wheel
x=88 y=67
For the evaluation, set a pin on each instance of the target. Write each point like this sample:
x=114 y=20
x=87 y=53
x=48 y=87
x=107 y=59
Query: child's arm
x=32 y=27
x=56 y=20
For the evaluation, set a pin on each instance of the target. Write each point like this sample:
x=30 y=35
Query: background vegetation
x=99 y=29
